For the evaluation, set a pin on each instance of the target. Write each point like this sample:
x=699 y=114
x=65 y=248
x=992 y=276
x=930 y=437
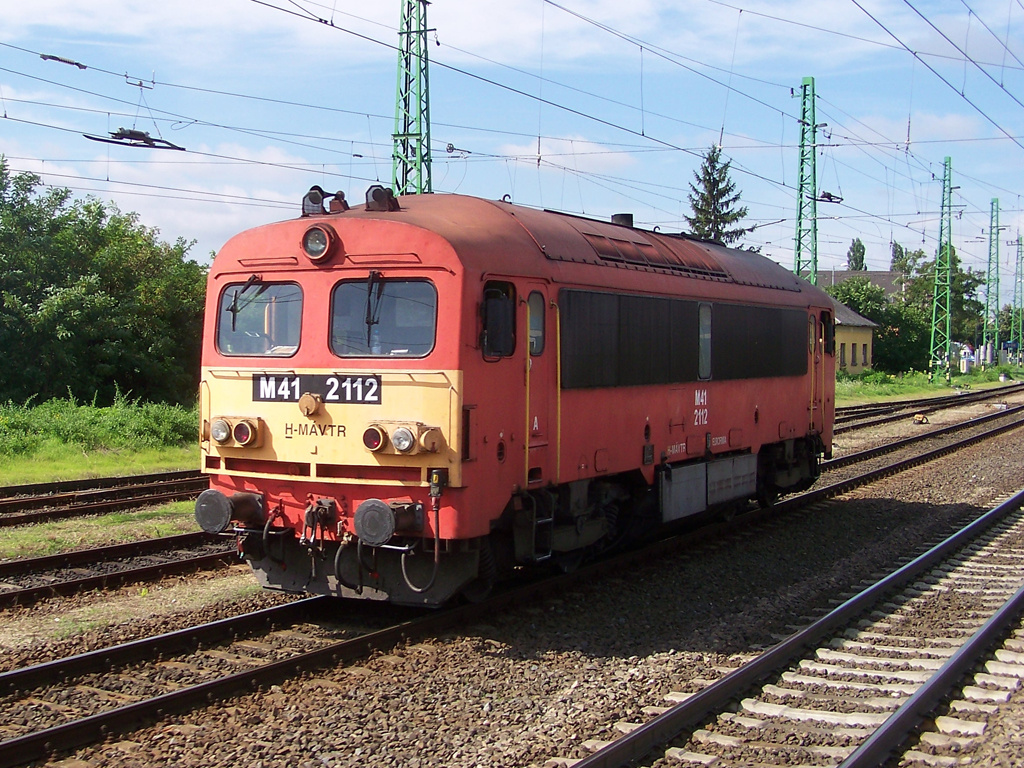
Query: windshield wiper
x=375 y=280
x=234 y=309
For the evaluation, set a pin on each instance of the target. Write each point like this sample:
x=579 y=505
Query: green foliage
x=91 y=302
x=125 y=425
x=855 y=255
x=713 y=200
x=901 y=340
x=919 y=291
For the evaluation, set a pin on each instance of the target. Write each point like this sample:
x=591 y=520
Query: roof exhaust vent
x=623 y=219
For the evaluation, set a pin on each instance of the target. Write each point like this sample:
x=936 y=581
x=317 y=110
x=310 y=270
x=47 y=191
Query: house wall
x=851 y=343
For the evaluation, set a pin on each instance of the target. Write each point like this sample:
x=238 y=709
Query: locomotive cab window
x=536 y=305
x=257 y=318
x=379 y=317
x=498 y=315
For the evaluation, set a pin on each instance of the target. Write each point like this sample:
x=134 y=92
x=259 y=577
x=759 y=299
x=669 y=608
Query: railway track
x=862 y=416
x=853 y=686
x=24 y=504
x=124 y=695
x=23 y=582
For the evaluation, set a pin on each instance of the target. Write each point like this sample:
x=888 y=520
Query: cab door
x=541 y=376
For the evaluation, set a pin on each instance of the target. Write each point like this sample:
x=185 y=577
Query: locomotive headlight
x=403 y=439
x=318 y=242
x=244 y=432
x=220 y=431
x=374 y=438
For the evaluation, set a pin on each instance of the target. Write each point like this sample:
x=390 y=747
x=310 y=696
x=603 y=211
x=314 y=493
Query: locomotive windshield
x=383 y=318
x=257 y=318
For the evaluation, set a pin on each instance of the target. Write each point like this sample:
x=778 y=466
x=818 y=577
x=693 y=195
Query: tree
x=713 y=201
x=965 y=308
x=902 y=337
x=905 y=262
x=91 y=302
x=855 y=256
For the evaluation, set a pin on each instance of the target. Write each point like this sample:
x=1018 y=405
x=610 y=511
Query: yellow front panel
x=328 y=445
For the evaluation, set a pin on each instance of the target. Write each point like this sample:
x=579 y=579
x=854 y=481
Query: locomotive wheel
x=478 y=590
x=568 y=562
x=766 y=497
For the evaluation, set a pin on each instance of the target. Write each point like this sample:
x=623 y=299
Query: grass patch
x=67 y=440
x=876 y=386
x=57 y=461
x=84 y=532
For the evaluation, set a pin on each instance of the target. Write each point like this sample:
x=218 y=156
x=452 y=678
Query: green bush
x=125 y=425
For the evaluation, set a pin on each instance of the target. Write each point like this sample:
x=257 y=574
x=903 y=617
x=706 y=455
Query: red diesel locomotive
x=407 y=400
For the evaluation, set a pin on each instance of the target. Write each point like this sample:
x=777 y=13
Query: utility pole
x=1016 y=321
x=991 y=335
x=805 y=251
x=411 y=169
x=939 y=356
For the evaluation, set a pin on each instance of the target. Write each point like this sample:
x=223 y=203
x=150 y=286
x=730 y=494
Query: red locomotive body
x=408 y=400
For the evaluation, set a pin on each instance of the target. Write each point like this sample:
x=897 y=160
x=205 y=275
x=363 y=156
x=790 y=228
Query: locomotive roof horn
x=380 y=198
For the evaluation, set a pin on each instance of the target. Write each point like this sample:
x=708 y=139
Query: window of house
x=864 y=355
x=842 y=355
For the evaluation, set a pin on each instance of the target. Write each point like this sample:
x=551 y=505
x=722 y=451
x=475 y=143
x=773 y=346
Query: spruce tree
x=713 y=200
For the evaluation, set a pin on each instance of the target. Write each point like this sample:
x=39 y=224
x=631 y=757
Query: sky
x=591 y=107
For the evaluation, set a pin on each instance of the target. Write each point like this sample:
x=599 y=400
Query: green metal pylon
x=411 y=169
x=1017 y=318
x=992 y=282
x=941 y=318
x=805 y=251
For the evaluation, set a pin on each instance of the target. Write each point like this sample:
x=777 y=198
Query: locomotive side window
x=377 y=317
x=536 y=304
x=257 y=318
x=704 y=336
x=498 y=313
x=622 y=340
x=828 y=328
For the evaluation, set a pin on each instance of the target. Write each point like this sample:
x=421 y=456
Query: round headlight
x=316 y=242
x=403 y=439
x=220 y=431
x=373 y=438
x=244 y=432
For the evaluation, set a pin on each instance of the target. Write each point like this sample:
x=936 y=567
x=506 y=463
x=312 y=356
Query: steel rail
x=98 y=508
x=958 y=400
x=898 y=726
x=180 y=641
x=93 y=495
x=870 y=453
x=675 y=721
x=103 y=554
x=876 y=474
x=30 y=595
x=75 y=734
x=89 y=484
x=850 y=412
